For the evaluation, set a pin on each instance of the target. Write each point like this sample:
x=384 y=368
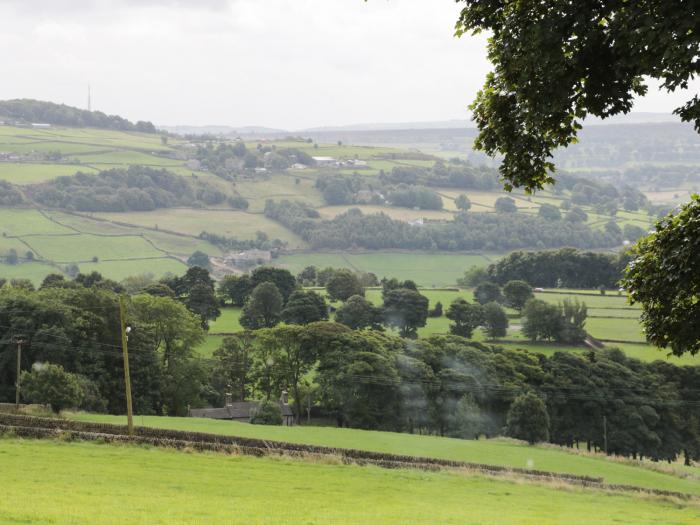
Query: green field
x=82 y=483
x=494 y=451
x=34 y=173
x=426 y=269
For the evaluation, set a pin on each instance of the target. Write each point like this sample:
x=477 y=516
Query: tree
x=576 y=215
x=549 y=212
x=263 y=309
x=473 y=277
x=495 y=320
x=466 y=317
x=267 y=413
x=305 y=307
x=437 y=311
x=463 y=203
x=307 y=277
x=234 y=362
x=556 y=63
x=406 y=310
x=572 y=329
x=664 y=277
x=50 y=384
x=12 y=257
x=202 y=301
x=517 y=293
x=343 y=285
x=505 y=205
x=488 y=292
x=282 y=279
x=358 y=313
x=528 y=419
x=200 y=259
x=234 y=288
x=541 y=320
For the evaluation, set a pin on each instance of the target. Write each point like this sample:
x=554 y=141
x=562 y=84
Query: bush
x=267 y=413
x=50 y=384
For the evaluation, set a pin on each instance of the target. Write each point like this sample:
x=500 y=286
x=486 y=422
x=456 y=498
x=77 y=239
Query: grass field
x=34 y=173
x=81 y=483
x=426 y=269
x=495 y=451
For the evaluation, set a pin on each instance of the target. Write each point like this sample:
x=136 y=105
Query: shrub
x=268 y=413
x=528 y=419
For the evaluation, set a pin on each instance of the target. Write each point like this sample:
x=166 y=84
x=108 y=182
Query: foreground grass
x=53 y=482
x=496 y=452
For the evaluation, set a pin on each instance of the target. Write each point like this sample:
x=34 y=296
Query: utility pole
x=605 y=434
x=18 y=385
x=127 y=378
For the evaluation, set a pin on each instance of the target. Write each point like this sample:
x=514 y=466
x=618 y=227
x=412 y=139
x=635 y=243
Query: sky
x=288 y=64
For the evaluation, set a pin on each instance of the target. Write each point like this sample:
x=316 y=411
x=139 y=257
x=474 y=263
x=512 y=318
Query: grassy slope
x=497 y=451
x=51 y=482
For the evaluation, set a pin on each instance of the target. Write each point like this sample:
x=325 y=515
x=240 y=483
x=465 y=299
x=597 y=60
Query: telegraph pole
x=18 y=385
x=127 y=378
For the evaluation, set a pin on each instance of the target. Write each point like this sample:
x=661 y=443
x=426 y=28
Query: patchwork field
x=78 y=482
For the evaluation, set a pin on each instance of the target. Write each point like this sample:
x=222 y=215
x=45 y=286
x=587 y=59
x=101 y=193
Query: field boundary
x=42 y=428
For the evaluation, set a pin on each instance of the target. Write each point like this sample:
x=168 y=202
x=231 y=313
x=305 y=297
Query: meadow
x=51 y=482
x=499 y=451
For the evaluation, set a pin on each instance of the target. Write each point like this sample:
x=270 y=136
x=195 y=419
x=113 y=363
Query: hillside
x=81 y=480
x=228 y=199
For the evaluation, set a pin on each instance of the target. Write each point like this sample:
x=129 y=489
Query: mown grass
x=85 y=483
x=16 y=173
x=494 y=451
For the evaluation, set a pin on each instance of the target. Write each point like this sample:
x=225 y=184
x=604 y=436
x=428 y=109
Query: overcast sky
x=281 y=63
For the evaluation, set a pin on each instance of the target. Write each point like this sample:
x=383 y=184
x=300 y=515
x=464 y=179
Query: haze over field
x=280 y=64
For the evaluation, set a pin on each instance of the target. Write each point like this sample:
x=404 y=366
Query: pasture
x=77 y=482
x=499 y=451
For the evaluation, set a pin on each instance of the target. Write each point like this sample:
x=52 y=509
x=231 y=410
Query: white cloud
x=279 y=63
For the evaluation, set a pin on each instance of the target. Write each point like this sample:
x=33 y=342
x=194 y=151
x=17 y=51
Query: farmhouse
x=325 y=161
x=249 y=258
x=242 y=411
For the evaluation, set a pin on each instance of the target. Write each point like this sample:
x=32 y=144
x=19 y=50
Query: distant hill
x=222 y=130
x=29 y=111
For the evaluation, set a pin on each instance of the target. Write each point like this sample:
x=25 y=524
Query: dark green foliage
x=282 y=279
x=406 y=310
x=50 y=384
x=488 y=292
x=359 y=313
x=437 y=311
x=238 y=203
x=540 y=91
x=11 y=257
x=632 y=232
x=263 y=309
x=462 y=202
x=234 y=289
x=495 y=320
x=505 y=205
x=541 y=320
x=466 y=317
x=234 y=363
x=261 y=242
x=549 y=212
x=336 y=190
x=307 y=277
x=29 y=111
x=469 y=231
x=664 y=276
x=576 y=215
x=9 y=196
x=574 y=268
x=267 y=413
x=343 y=285
x=528 y=419
x=136 y=188
x=195 y=290
x=53 y=280
x=304 y=307
x=517 y=293
x=473 y=277
x=200 y=259
x=415 y=197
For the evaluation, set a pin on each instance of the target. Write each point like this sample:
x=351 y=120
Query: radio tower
x=89 y=99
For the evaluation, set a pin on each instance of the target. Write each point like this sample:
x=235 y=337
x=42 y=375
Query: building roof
x=237 y=410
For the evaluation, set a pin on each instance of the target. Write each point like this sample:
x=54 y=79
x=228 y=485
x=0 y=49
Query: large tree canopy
x=556 y=62
x=665 y=278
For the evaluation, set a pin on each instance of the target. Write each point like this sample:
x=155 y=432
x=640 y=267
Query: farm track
x=48 y=428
